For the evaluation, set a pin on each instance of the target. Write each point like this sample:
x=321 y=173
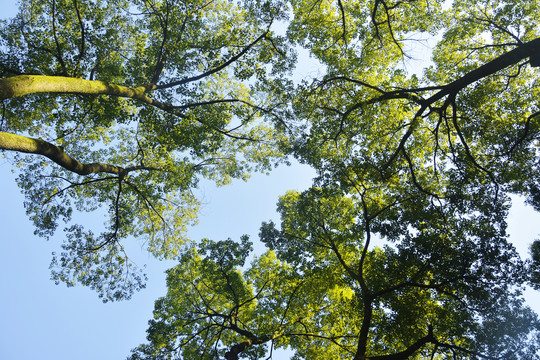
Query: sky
x=41 y=320
x=44 y=321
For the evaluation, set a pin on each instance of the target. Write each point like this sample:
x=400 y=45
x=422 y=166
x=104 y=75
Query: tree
x=130 y=103
x=400 y=249
x=441 y=289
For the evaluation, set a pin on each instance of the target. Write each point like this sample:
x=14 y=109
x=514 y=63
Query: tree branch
x=13 y=142
x=58 y=48
x=25 y=144
x=21 y=85
x=529 y=49
x=82 y=46
x=405 y=354
x=218 y=68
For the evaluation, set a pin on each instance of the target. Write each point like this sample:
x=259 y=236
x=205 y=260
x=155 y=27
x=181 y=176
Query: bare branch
x=218 y=68
x=83 y=36
x=58 y=48
x=343 y=22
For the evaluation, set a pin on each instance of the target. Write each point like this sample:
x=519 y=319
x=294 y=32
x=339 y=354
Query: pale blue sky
x=43 y=321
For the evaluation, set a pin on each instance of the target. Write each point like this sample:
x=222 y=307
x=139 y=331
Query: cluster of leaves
x=324 y=290
x=204 y=73
x=400 y=249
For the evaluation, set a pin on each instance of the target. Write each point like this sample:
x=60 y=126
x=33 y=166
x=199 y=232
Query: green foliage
x=97 y=263
x=208 y=69
x=323 y=282
x=400 y=249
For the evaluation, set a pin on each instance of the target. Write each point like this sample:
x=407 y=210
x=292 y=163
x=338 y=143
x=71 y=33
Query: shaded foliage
x=399 y=250
x=133 y=102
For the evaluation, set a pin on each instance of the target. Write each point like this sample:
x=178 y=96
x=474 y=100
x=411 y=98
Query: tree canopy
x=133 y=102
x=399 y=249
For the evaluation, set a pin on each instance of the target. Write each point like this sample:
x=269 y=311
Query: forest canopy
x=399 y=249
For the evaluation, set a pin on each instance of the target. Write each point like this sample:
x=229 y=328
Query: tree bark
x=405 y=354
x=21 y=85
x=29 y=145
x=529 y=50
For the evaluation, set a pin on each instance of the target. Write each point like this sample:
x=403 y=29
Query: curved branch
x=82 y=50
x=529 y=49
x=58 y=55
x=218 y=68
x=405 y=354
x=413 y=176
x=28 y=145
x=74 y=185
x=21 y=85
x=523 y=51
x=13 y=142
x=428 y=339
x=343 y=21
x=468 y=151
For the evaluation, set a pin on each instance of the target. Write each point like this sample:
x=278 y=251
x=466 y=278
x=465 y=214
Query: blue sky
x=43 y=321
